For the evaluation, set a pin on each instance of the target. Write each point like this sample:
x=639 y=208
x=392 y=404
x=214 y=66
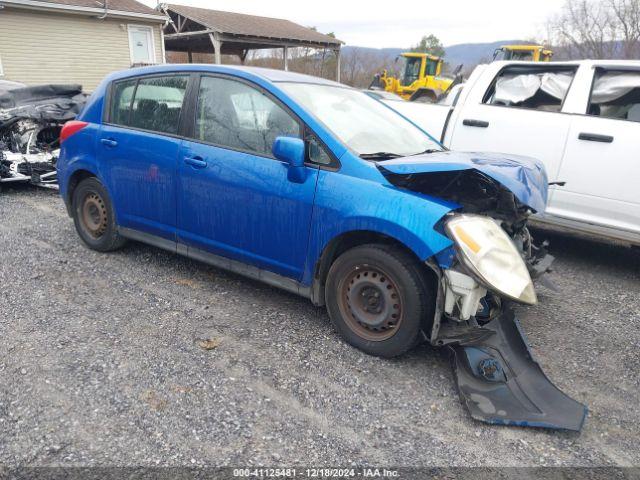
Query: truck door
x=517 y=111
x=601 y=165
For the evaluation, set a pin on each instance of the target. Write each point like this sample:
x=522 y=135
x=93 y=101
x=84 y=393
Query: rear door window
x=235 y=115
x=616 y=94
x=151 y=103
x=532 y=88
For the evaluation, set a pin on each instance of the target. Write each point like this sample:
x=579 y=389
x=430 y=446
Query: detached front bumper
x=501 y=382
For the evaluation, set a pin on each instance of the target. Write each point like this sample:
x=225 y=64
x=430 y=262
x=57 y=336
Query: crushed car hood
x=31 y=119
x=525 y=177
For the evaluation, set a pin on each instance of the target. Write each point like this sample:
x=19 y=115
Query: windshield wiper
x=427 y=151
x=380 y=156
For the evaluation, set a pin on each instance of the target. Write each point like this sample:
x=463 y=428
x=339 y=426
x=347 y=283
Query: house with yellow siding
x=76 y=41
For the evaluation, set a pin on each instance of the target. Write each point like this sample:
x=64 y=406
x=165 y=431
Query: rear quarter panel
x=77 y=152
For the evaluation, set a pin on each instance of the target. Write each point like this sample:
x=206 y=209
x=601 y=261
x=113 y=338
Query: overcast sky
x=369 y=24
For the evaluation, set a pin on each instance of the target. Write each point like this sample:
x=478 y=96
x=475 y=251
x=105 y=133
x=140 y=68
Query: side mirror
x=291 y=150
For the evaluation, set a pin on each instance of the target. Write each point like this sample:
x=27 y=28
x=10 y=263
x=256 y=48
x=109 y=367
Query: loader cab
x=416 y=66
x=523 y=53
x=418 y=77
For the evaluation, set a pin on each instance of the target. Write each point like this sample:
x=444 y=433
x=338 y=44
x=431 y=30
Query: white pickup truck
x=582 y=119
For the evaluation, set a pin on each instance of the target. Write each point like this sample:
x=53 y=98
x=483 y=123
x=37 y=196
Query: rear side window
x=152 y=103
x=235 y=115
x=531 y=88
x=616 y=94
x=121 y=97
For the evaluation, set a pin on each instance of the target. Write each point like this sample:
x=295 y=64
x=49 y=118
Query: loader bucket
x=501 y=382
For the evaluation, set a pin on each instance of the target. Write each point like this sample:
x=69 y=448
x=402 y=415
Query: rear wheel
x=378 y=299
x=94 y=218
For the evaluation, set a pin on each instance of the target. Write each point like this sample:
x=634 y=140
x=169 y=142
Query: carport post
x=243 y=55
x=190 y=55
x=338 y=64
x=285 y=56
x=217 y=47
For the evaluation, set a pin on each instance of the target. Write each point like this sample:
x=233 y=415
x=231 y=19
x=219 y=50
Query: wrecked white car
x=31 y=119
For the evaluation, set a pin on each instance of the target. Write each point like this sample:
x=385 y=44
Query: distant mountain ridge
x=465 y=53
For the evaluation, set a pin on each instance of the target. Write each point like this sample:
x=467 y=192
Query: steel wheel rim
x=370 y=303
x=94 y=215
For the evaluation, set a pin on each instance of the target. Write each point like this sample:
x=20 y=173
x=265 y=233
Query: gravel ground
x=101 y=366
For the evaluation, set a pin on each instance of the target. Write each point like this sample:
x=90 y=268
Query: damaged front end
x=491 y=264
x=31 y=119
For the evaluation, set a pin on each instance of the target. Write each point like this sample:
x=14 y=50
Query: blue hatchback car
x=317 y=188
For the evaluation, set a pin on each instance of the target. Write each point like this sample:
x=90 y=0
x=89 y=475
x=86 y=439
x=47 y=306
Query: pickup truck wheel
x=378 y=299
x=94 y=218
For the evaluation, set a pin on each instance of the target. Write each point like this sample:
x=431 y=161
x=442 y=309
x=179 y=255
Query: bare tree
x=627 y=17
x=585 y=29
x=596 y=29
x=358 y=66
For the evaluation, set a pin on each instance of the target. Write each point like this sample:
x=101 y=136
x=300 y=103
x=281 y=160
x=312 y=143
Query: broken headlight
x=486 y=249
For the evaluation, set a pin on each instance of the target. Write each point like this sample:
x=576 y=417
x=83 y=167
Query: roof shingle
x=251 y=25
x=131 y=6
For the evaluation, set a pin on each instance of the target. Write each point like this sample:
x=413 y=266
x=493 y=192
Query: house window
x=141 y=45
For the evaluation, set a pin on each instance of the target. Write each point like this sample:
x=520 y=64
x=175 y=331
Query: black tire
x=94 y=218
x=424 y=97
x=368 y=285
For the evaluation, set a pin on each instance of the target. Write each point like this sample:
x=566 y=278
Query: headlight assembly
x=486 y=249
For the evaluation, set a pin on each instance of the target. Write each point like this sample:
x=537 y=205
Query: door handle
x=594 y=137
x=196 y=162
x=109 y=142
x=469 y=122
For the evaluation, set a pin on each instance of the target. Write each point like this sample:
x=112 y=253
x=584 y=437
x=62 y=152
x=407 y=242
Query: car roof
x=269 y=74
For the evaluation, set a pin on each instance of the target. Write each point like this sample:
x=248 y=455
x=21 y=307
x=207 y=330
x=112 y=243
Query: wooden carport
x=199 y=30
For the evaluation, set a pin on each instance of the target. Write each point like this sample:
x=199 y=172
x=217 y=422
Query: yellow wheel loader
x=528 y=53
x=421 y=78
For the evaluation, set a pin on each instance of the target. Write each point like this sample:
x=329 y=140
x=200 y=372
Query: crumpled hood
x=524 y=176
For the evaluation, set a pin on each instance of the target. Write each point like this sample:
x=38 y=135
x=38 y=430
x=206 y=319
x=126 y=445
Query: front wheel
x=378 y=299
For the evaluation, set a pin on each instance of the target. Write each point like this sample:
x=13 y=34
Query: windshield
x=411 y=68
x=362 y=123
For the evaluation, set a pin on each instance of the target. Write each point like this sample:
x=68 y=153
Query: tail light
x=69 y=128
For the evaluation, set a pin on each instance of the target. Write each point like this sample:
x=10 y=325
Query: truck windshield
x=362 y=123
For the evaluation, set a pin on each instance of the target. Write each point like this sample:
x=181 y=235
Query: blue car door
x=138 y=149
x=234 y=198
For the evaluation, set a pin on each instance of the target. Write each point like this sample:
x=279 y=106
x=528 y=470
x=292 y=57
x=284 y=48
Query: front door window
x=234 y=115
